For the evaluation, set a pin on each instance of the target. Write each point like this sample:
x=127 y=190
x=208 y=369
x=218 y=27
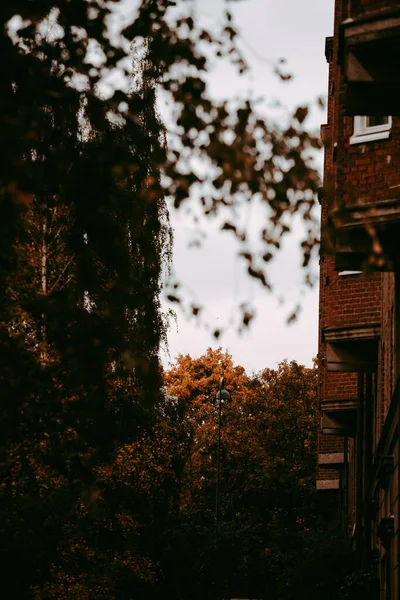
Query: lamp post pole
x=221 y=395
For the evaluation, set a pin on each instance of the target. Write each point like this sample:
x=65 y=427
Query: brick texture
x=353 y=174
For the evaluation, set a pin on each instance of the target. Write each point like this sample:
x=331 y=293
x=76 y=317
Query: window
x=345 y=273
x=369 y=129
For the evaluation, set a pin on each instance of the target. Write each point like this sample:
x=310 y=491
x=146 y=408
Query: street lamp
x=222 y=394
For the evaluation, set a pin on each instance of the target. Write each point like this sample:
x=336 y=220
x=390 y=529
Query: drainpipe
x=345 y=485
x=368 y=440
x=359 y=471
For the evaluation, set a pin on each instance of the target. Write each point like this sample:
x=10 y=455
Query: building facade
x=359 y=326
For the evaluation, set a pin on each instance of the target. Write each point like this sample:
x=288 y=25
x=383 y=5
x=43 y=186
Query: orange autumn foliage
x=268 y=456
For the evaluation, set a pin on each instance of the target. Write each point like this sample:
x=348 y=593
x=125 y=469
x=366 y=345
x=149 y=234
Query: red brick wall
x=354 y=173
x=350 y=300
x=367 y=172
x=351 y=502
x=326 y=473
x=338 y=386
x=370 y=171
x=370 y=168
x=329 y=444
x=387 y=363
x=346 y=300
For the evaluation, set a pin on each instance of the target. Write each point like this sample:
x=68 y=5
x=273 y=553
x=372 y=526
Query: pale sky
x=296 y=30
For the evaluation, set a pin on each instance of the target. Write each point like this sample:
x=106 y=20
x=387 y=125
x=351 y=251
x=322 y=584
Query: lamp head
x=224 y=395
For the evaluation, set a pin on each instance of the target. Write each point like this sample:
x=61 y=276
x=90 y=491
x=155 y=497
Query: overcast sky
x=212 y=273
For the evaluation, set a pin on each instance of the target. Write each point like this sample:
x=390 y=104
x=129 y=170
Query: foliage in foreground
x=73 y=66
x=98 y=499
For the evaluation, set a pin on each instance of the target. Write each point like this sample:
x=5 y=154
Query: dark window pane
x=375 y=121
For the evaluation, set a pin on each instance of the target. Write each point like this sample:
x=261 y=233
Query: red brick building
x=359 y=331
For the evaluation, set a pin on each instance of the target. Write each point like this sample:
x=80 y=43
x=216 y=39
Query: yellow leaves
x=271 y=421
x=197 y=379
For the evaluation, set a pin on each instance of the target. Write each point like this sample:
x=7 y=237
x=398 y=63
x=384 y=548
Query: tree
x=226 y=153
x=81 y=257
x=268 y=471
x=83 y=235
x=274 y=541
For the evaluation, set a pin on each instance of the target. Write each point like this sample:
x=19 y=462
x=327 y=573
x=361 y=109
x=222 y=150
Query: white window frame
x=363 y=133
x=347 y=273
